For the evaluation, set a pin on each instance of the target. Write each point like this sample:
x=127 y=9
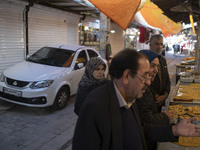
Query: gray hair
x=156 y=36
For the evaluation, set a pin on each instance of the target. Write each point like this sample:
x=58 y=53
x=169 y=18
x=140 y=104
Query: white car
x=48 y=77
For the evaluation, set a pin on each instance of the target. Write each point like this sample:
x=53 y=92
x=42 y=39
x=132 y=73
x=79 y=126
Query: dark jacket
x=99 y=125
x=150 y=115
x=156 y=86
x=81 y=94
x=148 y=110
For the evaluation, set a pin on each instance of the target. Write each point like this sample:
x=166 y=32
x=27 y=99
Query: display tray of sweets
x=188 y=61
x=188 y=141
x=188 y=58
x=178 y=109
x=182 y=112
x=188 y=93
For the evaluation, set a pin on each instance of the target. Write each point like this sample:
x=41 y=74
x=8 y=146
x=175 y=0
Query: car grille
x=16 y=83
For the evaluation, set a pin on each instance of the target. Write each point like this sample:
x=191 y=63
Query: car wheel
x=61 y=98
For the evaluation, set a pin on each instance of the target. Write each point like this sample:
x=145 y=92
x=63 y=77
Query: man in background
x=160 y=87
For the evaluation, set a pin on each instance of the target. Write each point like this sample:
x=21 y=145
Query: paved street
x=24 y=128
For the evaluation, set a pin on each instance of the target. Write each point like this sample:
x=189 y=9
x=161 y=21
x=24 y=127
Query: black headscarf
x=87 y=79
x=88 y=82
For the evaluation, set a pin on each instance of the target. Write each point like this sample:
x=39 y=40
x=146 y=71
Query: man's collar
x=121 y=100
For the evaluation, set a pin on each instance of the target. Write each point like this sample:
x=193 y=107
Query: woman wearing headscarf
x=92 y=78
x=148 y=109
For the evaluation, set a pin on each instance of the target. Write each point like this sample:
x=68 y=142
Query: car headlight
x=41 y=84
x=2 y=77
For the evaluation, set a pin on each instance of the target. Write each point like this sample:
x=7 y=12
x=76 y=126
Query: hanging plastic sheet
x=120 y=11
x=154 y=16
x=123 y=11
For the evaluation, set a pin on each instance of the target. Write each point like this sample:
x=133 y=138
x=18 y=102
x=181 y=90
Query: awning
x=154 y=16
x=123 y=11
x=120 y=11
x=140 y=19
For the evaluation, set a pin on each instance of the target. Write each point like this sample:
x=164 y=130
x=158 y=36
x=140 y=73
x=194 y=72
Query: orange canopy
x=120 y=11
x=154 y=17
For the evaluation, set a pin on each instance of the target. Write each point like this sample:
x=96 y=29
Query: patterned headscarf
x=87 y=78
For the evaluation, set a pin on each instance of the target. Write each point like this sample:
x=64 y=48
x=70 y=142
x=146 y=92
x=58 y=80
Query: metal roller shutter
x=11 y=33
x=49 y=26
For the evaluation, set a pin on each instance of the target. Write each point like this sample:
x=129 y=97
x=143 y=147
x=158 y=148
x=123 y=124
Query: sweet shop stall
x=185 y=101
x=185 y=70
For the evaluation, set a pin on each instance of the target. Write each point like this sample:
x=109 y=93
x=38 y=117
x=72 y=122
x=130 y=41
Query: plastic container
x=187 y=79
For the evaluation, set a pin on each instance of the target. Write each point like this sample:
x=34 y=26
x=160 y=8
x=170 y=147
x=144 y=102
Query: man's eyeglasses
x=145 y=78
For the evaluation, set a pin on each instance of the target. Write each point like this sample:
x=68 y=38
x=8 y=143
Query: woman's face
x=154 y=68
x=98 y=73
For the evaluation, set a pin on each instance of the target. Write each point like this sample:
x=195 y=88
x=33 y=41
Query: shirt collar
x=121 y=100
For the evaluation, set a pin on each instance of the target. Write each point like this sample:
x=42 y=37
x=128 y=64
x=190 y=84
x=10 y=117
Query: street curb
x=66 y=145
x=5 y=105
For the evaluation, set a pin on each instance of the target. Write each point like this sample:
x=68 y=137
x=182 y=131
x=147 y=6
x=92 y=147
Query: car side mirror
x=78 y=66
x=27 y=56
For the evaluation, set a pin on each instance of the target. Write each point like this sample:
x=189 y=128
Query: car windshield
x=52 y=56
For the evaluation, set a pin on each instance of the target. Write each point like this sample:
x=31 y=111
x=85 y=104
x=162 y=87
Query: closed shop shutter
x=11 y=33
x=49 y=26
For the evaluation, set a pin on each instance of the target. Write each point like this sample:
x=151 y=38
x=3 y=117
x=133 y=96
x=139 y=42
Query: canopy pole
x=198 y=47
x=104 y=33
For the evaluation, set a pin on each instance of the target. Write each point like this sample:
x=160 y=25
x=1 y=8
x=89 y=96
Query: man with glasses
x=160 y=87
x=109 y=118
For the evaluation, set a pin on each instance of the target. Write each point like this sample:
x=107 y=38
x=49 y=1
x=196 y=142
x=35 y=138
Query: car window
x=92 y=53
x=51 y=56
x=69 y=61
x=82 y=58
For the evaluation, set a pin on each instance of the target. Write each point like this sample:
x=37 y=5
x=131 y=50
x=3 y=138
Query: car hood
x=28 y=71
